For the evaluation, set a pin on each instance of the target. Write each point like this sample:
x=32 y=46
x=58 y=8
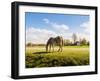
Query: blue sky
x=64 y=24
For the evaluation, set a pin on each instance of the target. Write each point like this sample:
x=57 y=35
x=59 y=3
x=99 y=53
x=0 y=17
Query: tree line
x=67 y=42
x=82 y=41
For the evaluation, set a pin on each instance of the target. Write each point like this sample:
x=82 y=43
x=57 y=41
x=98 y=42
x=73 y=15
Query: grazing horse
x=54 y=41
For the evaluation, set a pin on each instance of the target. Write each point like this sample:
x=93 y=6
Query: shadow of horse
x=41 y=52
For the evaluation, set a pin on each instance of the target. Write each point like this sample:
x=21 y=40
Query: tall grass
x=71 y=56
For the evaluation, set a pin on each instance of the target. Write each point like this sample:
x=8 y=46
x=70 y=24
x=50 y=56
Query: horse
x=54 y=41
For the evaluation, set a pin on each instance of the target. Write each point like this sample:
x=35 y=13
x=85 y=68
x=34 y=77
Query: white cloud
x=38 y=36
x=46 y=20
x=61 y=28
x=86 y=26
x=83 y=35
x=58 y=28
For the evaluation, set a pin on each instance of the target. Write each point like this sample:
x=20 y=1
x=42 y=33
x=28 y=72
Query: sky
x=41 y=26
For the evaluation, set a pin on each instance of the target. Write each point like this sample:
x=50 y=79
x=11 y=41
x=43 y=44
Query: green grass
x=71 y=56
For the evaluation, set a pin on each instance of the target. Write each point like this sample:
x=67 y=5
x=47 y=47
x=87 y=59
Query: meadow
x=36 y=57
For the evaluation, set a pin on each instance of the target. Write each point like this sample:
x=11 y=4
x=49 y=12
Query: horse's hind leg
x=59 y=49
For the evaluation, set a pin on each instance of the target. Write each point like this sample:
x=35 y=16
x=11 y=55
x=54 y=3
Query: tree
x=88 y=43
x=29 y=44
x=67 y=42
x=83 y=41
x=74 y=37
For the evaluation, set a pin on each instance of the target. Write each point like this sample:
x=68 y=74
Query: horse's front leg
x=61 y=48
x=52 y=47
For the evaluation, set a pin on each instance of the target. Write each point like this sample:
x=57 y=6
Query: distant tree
x=83 y=41
x=74 y=37
x=67 y=42
x=29 y=44
x=88 y=43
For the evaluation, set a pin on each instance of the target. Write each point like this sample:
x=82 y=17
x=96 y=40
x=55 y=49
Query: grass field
x=71 y=56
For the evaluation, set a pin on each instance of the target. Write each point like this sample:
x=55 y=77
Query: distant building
x=77 y=43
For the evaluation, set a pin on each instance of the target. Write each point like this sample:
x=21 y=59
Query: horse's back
x=50 y=40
